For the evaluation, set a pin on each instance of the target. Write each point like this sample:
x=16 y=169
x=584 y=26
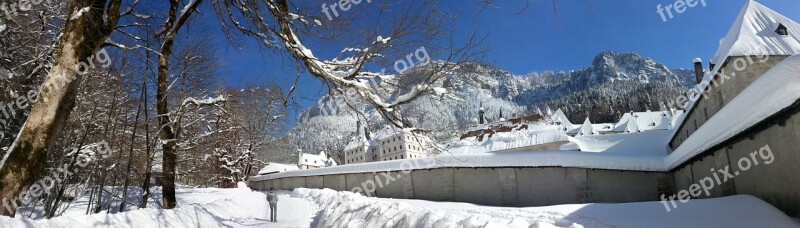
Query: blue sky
x=536 y=39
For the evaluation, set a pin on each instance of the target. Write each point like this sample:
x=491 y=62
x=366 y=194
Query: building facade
x=402 y=144
x=389 y=144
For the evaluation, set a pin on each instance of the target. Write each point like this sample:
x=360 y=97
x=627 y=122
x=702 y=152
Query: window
x=401 y=156
x=782 y=30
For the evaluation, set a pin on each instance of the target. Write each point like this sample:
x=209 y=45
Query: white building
x=398 y=144
x=389 y=144
x=315 y=161
x=361 y=149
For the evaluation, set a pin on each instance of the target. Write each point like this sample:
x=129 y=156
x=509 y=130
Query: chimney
x=698 y=69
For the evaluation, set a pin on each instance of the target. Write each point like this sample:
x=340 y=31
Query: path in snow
x=293 y=212
x=197 y=207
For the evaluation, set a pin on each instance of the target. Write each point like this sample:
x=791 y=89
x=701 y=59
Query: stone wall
x=735 y=75
x=522 y=187
x=777 y=183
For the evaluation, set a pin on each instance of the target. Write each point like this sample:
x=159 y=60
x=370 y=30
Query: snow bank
x=345 y=209
x=196 y=208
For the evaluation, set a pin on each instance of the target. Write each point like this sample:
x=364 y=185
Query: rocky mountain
x=613 y=84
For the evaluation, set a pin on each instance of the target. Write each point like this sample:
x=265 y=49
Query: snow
x=204 y=101
x=345 y=209
x=360 y=141
x=587 y=129
x=315 y=160
x=753 y=33
x=80 y=13
x=536 y=134
x=439 y=91
x=276 y=168
x=645 y=121
x=611 y=161
x=200 y=207
x=242 y=207
x=561 y=119
x=380 y=39
x=649 y=143
x=777 y=89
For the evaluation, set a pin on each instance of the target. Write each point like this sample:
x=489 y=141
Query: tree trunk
x=166 y=131
x=148 y=167
x=130 y=154
x=25 y=161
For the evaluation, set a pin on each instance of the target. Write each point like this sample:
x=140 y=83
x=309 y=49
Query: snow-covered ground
x=201 y=207
x=344 y=209
x=243 y=207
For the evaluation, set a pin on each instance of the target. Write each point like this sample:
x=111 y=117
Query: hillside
x=613 y=84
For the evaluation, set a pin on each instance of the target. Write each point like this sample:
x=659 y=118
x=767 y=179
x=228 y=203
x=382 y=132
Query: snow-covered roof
x=561 y=119
x=637 y=143
x=644 y=121
x=360 y=141
x=586 y=129
x=750 y=35
x=753 y=33
x=603 y=127
x=535 y=134
x=777 y=89
x=276 y=168
x=313 y=159
x=387 y=132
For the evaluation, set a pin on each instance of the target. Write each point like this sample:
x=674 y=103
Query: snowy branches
x=353 y=73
